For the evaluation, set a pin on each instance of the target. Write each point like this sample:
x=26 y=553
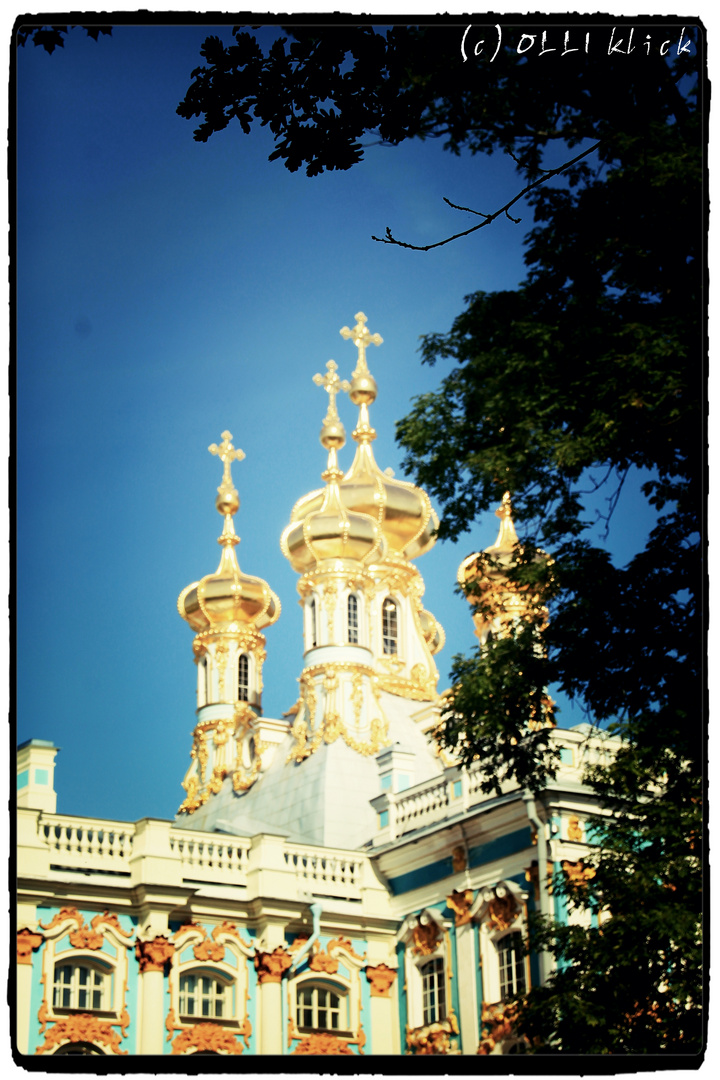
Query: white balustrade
x=204 y=857
x=423 y=807
x=84 y=843
x=326 y=873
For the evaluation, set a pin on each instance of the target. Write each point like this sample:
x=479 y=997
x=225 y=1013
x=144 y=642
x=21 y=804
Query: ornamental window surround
x=352 y=620
x=325 y=997
x=208 y=981
x=390 y=626
x=243 y=683
x=428 y=970
x=84 y=965
x=500 y=913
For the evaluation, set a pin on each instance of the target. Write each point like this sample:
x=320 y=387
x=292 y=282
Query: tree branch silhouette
x=489 y=218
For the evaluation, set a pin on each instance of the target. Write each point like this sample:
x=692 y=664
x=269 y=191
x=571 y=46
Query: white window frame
x=433 y=980
x=224 y=998
x=350 y=628
x=248 y=667
x=519 y=959
x=315 y=987
x=312 y=624
x=202 y=686
x=99 y=979
x=383 y=637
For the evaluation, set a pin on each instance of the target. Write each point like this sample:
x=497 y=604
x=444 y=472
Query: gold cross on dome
x=332 y=384
x=227 y=454
x=361 y=337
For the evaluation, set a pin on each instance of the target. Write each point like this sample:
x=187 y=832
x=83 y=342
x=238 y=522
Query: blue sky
x=168 y=290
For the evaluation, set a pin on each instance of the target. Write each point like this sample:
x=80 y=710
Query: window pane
x=243 y=678
x=433 y=988
x=512 y=965
x=390 y=633
x=352 y=619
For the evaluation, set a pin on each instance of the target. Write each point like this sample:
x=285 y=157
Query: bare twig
x=489 y=218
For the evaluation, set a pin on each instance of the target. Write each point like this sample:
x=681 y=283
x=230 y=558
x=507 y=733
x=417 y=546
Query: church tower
x=227 y=610
x=368 y=685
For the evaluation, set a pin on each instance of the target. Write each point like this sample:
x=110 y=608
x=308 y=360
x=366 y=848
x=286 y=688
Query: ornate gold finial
x=228 y=500
x=363 y=388
x=507 y=537
x=361 y=338
x=333 y=432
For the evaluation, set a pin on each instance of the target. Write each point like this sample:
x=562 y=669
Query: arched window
x=352 y=619
x=321 y=1008
x=390 y=627
x=432 y=975
x=84 y=1048
x=243 y=677
x=204 y=995
x=313 y=624
x=81 y=986
x=511 y=963
x=202 y=693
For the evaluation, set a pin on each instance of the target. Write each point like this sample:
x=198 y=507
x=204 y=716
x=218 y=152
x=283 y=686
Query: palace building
x=333 y=882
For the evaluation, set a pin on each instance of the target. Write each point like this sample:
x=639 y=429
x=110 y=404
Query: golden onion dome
x=228 y=596
x=327 y=529
x=403 y=511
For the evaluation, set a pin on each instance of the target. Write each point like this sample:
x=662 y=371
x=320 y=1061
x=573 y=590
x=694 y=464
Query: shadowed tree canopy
x=592 y=369
x=53 y=37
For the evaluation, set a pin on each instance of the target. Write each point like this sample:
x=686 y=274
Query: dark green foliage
x=52 y=37
x=591 y=370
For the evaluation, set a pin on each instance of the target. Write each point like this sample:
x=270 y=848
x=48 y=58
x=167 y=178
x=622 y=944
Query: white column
x=152 y=955
x=467 y=988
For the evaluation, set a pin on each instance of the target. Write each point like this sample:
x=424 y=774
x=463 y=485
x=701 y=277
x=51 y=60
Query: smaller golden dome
x=328 y=530
x=228 y=596
x=432 y=631
x=488 y=587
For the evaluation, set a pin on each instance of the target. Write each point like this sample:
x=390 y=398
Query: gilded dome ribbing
x=402 y=510
x=328 y=530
